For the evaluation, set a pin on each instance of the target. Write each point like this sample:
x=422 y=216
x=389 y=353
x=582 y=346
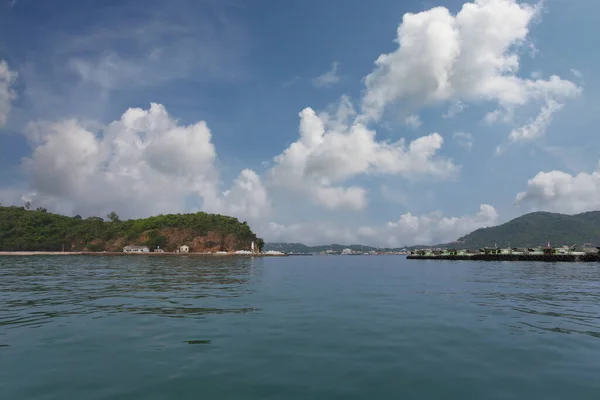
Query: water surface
x=349 y=327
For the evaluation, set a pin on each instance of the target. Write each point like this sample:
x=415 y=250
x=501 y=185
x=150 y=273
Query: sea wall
x=513 y=257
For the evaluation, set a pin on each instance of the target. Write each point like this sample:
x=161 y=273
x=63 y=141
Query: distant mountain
x=536 y=229
x=529 y=230
x=302 y=248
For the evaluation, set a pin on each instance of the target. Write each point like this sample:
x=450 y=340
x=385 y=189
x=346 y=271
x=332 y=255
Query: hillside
x=25 y=230
x=536 y=229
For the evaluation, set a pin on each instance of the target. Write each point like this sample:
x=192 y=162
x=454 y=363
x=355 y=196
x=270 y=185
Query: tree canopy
x=537 y=229
x=39 y=230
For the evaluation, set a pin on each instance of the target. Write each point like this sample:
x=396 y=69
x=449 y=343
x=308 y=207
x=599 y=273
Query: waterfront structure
x=184 y=249
x=550 y=254
x=136 y=249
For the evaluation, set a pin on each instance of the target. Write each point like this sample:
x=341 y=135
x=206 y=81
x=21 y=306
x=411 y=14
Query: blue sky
x=231 y=84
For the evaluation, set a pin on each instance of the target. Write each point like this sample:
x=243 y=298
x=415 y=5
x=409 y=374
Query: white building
x=184 y=249
x=136 y=249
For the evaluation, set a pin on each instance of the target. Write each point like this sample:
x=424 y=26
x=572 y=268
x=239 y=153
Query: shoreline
x=152 y=254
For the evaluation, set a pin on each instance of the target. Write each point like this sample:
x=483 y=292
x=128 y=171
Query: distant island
x=299 y=248
x=529 y=230
x=38 y=230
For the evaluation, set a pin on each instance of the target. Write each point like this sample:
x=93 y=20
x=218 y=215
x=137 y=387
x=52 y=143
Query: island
x=39 y=231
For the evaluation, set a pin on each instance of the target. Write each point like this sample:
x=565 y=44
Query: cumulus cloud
x=464 y=139
x=247 y=198
x=335 y=148
x=144 y=163
x=328 y=78
x=472 y=56
x=559 y=191
x=432 y=228
x=7 y=94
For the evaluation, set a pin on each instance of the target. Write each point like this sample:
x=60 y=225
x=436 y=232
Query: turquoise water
x=297 y=328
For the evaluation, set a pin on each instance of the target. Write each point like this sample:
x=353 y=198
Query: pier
x=495 y=254
x=511 y=257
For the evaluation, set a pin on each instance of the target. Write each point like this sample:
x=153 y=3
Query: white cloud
x=464 y=139
x=502 y=115
x=537 y=74
x=7 y=94
x=144 y=163
x=432 y=228
x=455 y=109
x=80 y=70
x=559 y=191
x=247 y=198
x=328 y=78
x=164 y=43
x=332 y=150
x=537 y=127
x=577 y=73
x=413 y=120
x=472 y=56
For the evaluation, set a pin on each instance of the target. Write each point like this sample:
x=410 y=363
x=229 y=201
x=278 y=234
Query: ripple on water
x=319 y=327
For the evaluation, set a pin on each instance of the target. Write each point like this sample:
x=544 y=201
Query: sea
x=315 y=327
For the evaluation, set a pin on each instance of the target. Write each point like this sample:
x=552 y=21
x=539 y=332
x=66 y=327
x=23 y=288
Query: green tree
x=22 y=230
x=113 y=217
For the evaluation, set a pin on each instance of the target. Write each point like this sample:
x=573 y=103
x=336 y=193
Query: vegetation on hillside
x=536 y=229
x=38 y=230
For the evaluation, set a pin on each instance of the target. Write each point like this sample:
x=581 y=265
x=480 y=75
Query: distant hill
x=29 y=230
x=534 y=229
x=302 y=248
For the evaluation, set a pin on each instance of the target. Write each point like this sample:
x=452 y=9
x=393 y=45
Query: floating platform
x=511 y=257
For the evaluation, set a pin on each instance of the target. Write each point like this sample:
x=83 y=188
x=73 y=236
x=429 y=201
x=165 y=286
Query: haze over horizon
x=378 y=123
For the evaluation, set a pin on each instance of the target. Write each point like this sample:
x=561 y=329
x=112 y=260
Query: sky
x=386 y=123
